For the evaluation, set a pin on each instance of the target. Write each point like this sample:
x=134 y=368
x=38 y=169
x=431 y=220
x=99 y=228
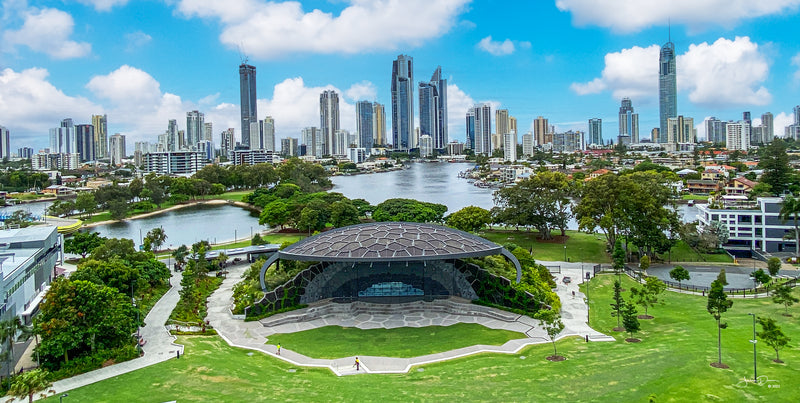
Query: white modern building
x=174 y=162
x=737 y=136
x=755 y=225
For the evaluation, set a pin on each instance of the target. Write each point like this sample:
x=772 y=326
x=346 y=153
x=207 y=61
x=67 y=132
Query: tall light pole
x=565 y=251
x=61 y=398
x=754 y=341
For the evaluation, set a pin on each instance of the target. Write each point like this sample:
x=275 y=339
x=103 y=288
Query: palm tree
x=8 y=333
x=180 y=255
x=157 y=237
x=791 y=210
x=29 y=383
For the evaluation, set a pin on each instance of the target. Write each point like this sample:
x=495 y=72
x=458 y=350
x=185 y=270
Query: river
x=430 y=182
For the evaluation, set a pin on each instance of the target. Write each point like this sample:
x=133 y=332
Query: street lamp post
x=61 y=398
x=754 y=341
x=565 y=251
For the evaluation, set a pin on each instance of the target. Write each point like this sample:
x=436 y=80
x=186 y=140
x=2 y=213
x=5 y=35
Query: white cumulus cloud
x=270 y=29
x=136 y=40
x=497 y=48
x=634 y=15
x=31 y=105
x=103 y=5
x=47 y=31
x=724 y=73
x=458 y=103
x=363 y=91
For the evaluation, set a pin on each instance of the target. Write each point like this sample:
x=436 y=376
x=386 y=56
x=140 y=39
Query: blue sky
x=145 y=62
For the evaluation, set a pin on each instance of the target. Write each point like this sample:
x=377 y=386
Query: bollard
x=179 y=353
x=587 y=338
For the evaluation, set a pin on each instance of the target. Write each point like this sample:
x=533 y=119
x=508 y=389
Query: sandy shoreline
x=177 y=207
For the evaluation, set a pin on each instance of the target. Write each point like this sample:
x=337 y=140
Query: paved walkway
x=159 y=345
x=255 y=336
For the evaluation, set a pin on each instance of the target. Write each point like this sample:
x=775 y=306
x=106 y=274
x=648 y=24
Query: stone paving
x=255 y=336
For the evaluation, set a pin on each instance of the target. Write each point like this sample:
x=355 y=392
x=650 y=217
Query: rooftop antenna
x=242 y=55
x=669 y=29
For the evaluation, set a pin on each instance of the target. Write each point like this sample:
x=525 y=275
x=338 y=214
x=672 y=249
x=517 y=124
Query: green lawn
x=671 y=362
x=694 y=197
x=337 y=342
x=581 y=247
x=235 y=196
x=681 y=252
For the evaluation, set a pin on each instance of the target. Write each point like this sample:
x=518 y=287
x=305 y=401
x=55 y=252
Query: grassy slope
x=581 y=247
x=337 y=342
x=671 y=362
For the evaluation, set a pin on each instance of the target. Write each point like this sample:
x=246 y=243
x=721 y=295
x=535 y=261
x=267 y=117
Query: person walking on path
x=279 y=349
x=357 y=364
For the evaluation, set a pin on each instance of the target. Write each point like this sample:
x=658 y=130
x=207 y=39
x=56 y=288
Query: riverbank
x=213 y=202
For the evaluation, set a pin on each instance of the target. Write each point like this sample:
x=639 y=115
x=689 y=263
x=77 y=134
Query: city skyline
x=84 y=64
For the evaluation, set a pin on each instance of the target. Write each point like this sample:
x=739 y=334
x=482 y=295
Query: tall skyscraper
x=365 y=124
x=715 y=130
x=227 y=142
x=194 y=128
x=501 y=121
x=289 y=147
x=86 y=148
x=312 y=139
x=379 y=129
x=628 y=121
x=208 y=132
x=768 y=124
x=527 y=144
x=5 y=143
x=248 y=100
x=116 y=148
x=510 y=146
x=268 y=133
x=540 y=130
x=100 y=123
x=173 y=143
x=483 y=129
x=403 y=103
x=596 y=131
x=433 y=109
x=470 y=126
x=667 y=88
x=62 y=138
x=329 y=121
x=512 y=124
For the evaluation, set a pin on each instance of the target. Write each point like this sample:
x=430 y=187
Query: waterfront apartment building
x=425 y=146
x=754 y=225
x=252 y=157
x=433 y=109
x=116 y=149
x=470 y=129
x=595 y=132
x=28 y=262
x=174 y=162
x=365 y=124
x=247 y=100
x=455 y=148
x=5 y=143
x=483 y=129
x=100 y=123
x=628 y=121
x=267 y=133
x=312 y=139
x=379 y=128
x=402 y=88
x=667 y=88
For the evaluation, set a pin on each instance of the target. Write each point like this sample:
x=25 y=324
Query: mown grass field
x=581 y=247
x=338 y=342
x=671 y=364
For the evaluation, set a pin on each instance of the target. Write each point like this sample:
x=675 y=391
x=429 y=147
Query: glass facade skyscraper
x=628 y=121
x=365 y=124
x=247 y=92
x=667 y=88
x=596 y=131
x=329 y=122
x=403 y=102
x=433 y=109
x=195 y=122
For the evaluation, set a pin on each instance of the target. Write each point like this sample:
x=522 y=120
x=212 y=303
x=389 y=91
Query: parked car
x=567 y=279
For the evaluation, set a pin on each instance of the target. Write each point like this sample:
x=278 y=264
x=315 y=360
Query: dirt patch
x=554 y=239
x=107 y=363
x=618 y=329
x=556 y=358
x=633 y=340
x=777 y=360
x=719 y=365
x=291 y=231
x=645 y=317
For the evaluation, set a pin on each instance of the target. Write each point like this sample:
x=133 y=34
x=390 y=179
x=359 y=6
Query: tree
x=155 y=238
x=118 y=209
x=644 y=264
x=276 y=213
x=257 y=240
x=772 y=335
x=618 y=258
x=469 y=219
x=180 y=255
x=648 y=295
x=600 y=205
x=541 y=201
x=86 y=203
x=29 y=383
x=679 y=273
x=616 y=307
x=112 y=273
x=8 y=334
x=791 y=209
x=761 y=277
x=344 y=213
x=551 y=322
x=409 y=210
x=718 y=304
x=630 y=320
x=773 y=266
x=135 y=187
x=782 y=294
x=83 y=243
x=775 y=163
